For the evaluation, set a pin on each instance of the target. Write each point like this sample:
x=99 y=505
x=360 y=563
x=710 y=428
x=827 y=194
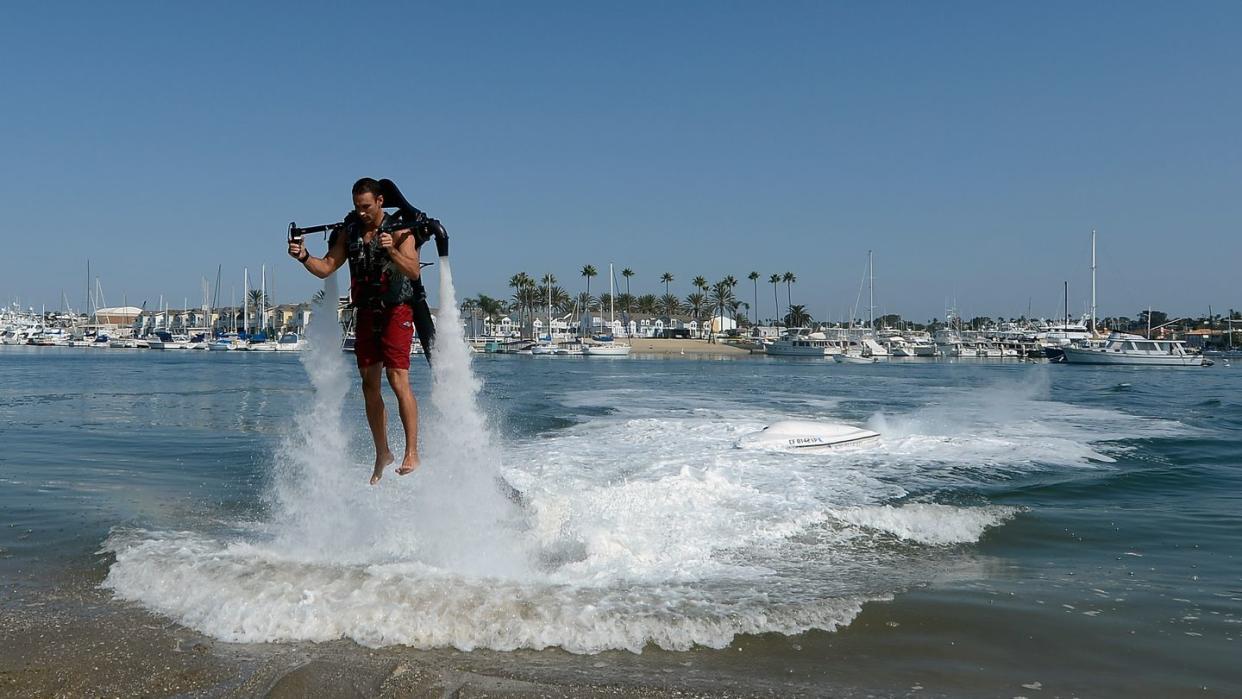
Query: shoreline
x=930 y=641
x=676 y=347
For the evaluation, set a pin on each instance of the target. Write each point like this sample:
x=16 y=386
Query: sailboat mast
x=246 y=300
x=612 y=310
x=1093 y=282
x=1066 y=304
x=871 y=301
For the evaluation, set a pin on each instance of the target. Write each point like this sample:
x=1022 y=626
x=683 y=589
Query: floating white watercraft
x=804 y=435
x=1135 y=350
x=854 y=357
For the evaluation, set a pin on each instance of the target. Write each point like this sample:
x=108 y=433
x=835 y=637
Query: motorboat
x=853 y=356
x=1123 y=348
x=289 y=342
x=807 y=436
x=948 y=342
x=799 y=343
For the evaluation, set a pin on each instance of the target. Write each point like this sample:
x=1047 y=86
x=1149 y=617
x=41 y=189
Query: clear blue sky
x=973 y=146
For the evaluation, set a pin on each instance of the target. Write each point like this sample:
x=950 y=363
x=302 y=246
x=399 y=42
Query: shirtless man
x=384 y=275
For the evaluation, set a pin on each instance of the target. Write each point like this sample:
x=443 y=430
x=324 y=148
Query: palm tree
x=734 y=307
x=490 y=307
x=789 y=279
x=669 y=305
x=587 y=302
x=589 y=271
x=776 y=307
x=627 y=273
x=625 y=301
x=754 y=279
x=525 y=296
x=667 y=278
x=648 y=303
x=700 y=283
x=721 y=297
x=695 y=303
x=798 y=317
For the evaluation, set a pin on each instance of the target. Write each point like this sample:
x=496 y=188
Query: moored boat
x=1134 y=350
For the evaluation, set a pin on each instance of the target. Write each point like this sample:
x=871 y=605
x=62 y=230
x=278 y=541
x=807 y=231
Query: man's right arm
x=321 y=267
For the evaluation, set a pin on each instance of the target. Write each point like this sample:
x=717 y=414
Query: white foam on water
x=641 y=526
x=928 y=523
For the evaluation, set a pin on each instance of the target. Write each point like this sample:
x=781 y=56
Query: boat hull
x=807 y=437
x=1074 y=355
x=607 y=350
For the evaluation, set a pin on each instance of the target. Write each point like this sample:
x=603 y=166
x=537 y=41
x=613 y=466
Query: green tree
x=589 y=271
x=754 y=279
x=700 y=283
x=491 y=308
x=696 y=302
x=774 y=280
x=789 y=279
x=670 y=305
x=627 y=273
x=721 y=297
x=667 y=278
x=798 y=317
x=648 y=303
x=524 y=296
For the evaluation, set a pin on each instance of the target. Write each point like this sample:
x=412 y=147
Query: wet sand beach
x=688 y=348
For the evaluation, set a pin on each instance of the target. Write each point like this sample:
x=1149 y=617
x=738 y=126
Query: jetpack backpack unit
x=406 y=216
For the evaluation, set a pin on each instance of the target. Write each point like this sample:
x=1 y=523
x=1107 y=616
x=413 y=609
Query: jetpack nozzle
x=441 y=240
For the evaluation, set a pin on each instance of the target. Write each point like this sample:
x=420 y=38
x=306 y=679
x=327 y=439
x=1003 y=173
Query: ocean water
x=1026 y=525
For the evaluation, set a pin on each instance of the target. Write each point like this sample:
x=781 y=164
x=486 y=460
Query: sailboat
x=610 y=348
x=867 y=351
x=546 y=347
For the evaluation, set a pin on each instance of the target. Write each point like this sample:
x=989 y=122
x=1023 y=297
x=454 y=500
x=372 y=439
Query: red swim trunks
x=384 y=336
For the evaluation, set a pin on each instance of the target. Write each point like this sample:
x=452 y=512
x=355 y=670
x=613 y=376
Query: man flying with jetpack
x=388 y=298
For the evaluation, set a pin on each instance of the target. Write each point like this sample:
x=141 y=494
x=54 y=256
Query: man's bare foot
x=381 y=460
x=408 y=464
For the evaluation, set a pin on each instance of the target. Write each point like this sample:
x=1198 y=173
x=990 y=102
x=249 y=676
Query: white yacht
x=798 y=342
x=1122 y=348
x=289 y=342
x=948 y=342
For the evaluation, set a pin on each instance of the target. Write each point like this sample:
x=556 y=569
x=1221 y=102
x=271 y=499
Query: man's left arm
x=403 y=250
